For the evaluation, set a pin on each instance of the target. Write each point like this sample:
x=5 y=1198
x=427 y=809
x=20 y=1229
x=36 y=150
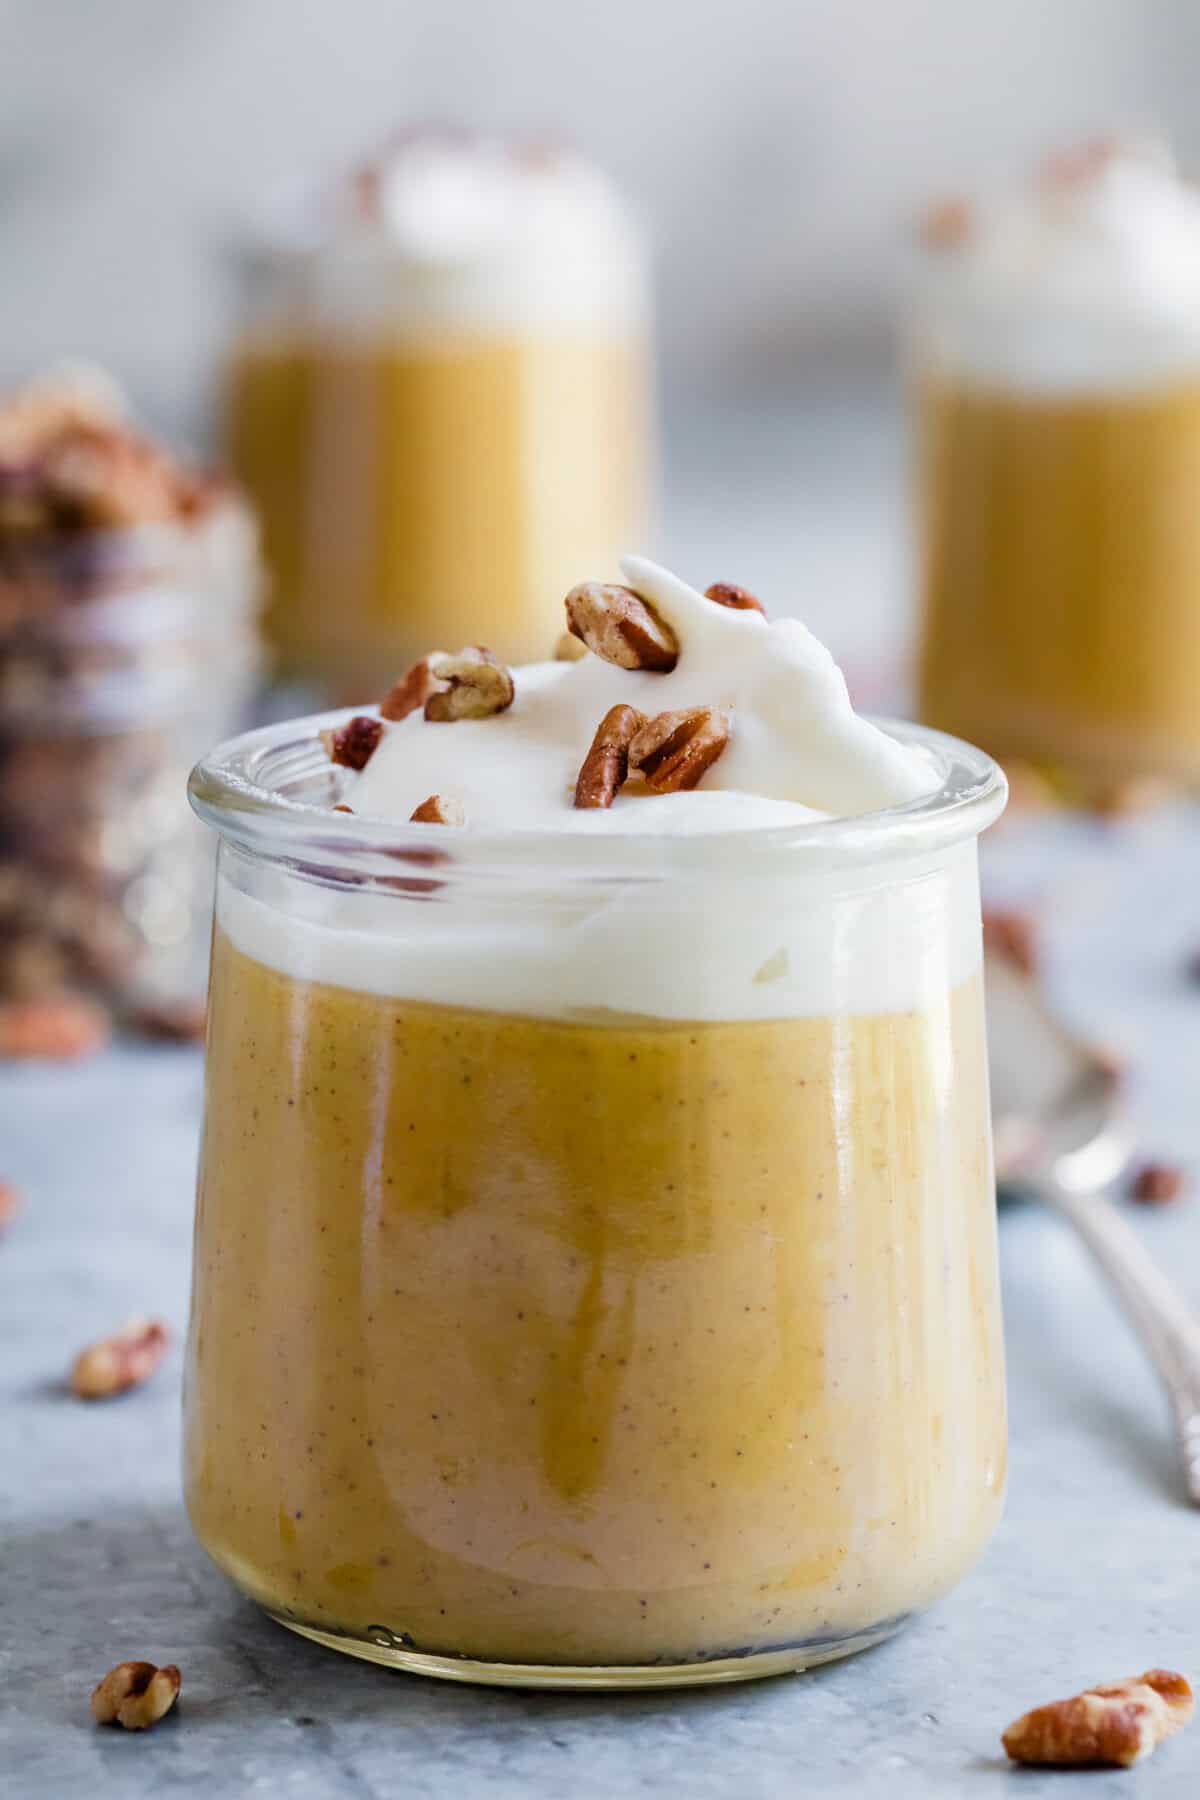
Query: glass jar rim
x=240 y=790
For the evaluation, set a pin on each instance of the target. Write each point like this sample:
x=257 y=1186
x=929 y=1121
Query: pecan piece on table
x=675 y=749
x=605 y=768
x=1116 y=1723
x=135 y=1695
x=439 y=809
x=59 y=1027
x=1157 y=1183
x=740 y=599
x=947 y=224
x=354 y=743
x=620 y=627
x=120 y=1362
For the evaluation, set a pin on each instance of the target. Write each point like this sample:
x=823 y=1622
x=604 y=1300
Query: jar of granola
x=128 y=593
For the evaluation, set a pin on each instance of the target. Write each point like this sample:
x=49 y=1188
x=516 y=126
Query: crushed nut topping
x=135 y=1695
x=59 y=1027
x=620 y=627
x=354 y=743
x=1117 y=1724
x=569 y=648
x=947 y=224
x=606 y=766
x=1157 y=1183
x=439 y=809
x=471 y=685
x=120 y=1362
x=675 y=749
x=727 y=593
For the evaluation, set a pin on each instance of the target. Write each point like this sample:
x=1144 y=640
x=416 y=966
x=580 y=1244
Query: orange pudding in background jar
x=1057 y=386
x=442 y=408
x=595 y=1277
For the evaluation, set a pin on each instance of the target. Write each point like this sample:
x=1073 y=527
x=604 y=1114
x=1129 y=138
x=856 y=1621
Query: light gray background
x=775 y=147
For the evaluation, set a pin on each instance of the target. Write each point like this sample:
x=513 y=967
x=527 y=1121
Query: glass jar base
x=751 y=1665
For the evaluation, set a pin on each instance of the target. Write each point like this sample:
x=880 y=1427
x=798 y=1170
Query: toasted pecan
x=135 y=1695
x=439 y=809
x=675 y=749
x=606 y=766
x=621 y=627
x=354 y=743
x=410 y=692
x=947 y=224
x=1115 y=1723
x=120 y=1362
x=471 y=685
x=740 y=599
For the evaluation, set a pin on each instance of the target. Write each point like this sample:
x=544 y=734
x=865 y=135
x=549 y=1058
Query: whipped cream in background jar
x=1056 y=380
x=595 y=1278
x=129 y=586
x=440 y=402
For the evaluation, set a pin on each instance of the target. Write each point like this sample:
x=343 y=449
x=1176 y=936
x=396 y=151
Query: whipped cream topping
x=797 y=749
x=453 y=229
x=1089 y=278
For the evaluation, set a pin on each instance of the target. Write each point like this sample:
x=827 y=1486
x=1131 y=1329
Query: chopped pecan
x=135 y=1695
x=1157 y=1183
x=620 y=627
x=10 y=1203
x=569 y=648
x=676 y=748
x=410 y=692
x=471 y=685
x=439 y=809
x=172 y=1021
x=354 y=743
x=1116 y=1723
x=606 y=765
x=60 y=1027
x=120 y=1362
x=1012 y=936
x=947 y=224
x=727 y=593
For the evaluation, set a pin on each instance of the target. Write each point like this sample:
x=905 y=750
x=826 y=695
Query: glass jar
x=1057 y=468
x=436 y=435
x=595 y=1270
x=121 y=652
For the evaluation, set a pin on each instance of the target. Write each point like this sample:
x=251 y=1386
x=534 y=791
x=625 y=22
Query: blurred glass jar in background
x=128 y=591
x=1057 y=386
x=441 y=407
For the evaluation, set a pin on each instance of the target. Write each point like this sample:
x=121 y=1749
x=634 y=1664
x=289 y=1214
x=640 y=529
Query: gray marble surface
x=1095 y=1572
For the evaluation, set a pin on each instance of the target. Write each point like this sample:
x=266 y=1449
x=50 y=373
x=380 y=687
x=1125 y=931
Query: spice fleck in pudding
x=595 y=1273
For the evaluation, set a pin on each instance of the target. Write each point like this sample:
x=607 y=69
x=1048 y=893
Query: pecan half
x=135 y=1695
x=471 y=685
x=59 y=1027
x=354 y=743
x=120 y=1362
x=439 y=809
x=727 y=593
x=1117 y=1723
x=620 y=627
x=674 y=750
x=606 y=766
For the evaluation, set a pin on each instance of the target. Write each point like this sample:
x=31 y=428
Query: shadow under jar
x=595 y=1276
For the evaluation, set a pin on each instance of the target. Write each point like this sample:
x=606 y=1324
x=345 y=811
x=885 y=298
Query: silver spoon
x=1061 y=1134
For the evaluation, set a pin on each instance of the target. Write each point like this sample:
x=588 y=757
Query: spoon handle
x=1154 y=1307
